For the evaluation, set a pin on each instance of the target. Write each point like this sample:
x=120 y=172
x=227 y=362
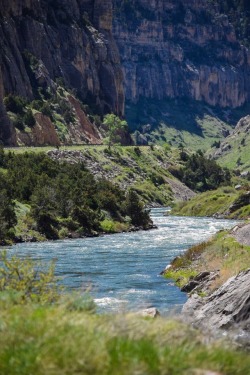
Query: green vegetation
x=26 y=283
x=45 y=332
x=221 y=253
x=223 y=202
x=144 y=169
x=237 y=155
x=114 y=128
x=193 y=124
x=59 y=199
x=200 y=173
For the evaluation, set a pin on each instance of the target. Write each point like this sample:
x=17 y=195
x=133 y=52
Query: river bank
x=216 y=274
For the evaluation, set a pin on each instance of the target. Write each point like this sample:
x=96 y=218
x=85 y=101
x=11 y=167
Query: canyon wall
x=181 y=48
x=67 y=40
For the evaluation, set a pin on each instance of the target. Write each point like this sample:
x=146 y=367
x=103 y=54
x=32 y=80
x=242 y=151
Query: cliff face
x=181 y=48
x=42 y=41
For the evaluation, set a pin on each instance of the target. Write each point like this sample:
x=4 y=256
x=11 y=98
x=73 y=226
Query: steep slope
x=48 y=44
x=234 y=151
x=181 y=49
x=173 y=54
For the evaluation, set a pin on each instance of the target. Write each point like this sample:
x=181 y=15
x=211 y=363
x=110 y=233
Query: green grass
x=221 y=253
x=213 y=202
x=110 y=226
x=194 y=124
x=238 y=156
x=53 y=340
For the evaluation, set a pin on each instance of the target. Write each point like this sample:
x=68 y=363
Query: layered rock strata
x=181 y=48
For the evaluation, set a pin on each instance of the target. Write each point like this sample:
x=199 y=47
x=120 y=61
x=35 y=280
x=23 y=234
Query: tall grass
x=43 y=340
x=63 y=335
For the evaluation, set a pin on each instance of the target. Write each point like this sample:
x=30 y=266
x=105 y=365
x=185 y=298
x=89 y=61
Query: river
x=121 y=271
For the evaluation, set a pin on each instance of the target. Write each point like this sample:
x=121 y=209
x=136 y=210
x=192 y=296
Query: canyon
x=181 y=49
x=106 y=54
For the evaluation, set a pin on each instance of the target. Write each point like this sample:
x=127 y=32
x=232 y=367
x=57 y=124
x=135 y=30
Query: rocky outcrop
x=43 y=133
x=42 y=41
x=181 y=191
x=181 y=48
x=241 y=233
x=227 y=308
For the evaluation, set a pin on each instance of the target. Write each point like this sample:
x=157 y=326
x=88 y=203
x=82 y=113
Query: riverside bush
x=28 y=283
x=63 y=196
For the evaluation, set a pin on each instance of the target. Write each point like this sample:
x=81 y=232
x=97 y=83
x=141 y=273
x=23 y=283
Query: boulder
x=151 y=312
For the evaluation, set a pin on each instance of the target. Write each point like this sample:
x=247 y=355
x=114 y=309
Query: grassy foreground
x=54 y=340
x=46 y=332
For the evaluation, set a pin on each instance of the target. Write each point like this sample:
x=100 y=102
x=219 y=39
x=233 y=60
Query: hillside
x=145 y=169
x=185 y=68
x=233 y=152
x=224 y=202
x=179 y=66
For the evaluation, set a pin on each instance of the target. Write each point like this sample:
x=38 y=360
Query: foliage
x=134 y=208
x=14 y=104
x=114 y=128
x=7 y=214
x=64 y=198
x=30 y=284
x=29 y=119
x=201 y=174
x=56 y=340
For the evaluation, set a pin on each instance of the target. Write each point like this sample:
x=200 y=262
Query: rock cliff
x=181 y=48
x=42 y=41
x=227 y=308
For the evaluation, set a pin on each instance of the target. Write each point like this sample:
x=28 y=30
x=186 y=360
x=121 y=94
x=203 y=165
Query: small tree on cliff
x=115 y=126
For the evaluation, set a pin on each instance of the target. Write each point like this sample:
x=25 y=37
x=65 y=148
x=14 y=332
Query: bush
x=14 y=104
x=29 y=119
x=18 y=123
x=30 y=283
x=201 y=174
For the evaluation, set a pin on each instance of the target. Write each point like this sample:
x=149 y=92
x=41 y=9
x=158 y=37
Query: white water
x=122 y=270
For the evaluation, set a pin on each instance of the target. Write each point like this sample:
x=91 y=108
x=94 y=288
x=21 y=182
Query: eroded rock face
x=181 y=48
x=227 y=308
x=69 y=39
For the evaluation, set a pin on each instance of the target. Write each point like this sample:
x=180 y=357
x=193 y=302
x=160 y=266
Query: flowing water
x=122 y=270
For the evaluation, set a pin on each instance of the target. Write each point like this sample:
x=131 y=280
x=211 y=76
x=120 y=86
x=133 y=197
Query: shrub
x=29 y=119
x=18 y=123
x=14 y=103
x=30 y=283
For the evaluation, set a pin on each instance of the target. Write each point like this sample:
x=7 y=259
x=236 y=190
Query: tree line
x=62 y=197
